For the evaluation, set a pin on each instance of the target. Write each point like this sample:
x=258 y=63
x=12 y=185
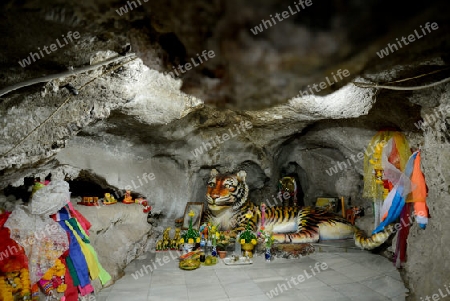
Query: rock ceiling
x=196 y=67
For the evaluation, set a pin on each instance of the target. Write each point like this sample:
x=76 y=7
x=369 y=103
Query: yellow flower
x=191 y=213
x=181 y=240
x=198 y=239
x=253 y=241
x=190 y=241
x=17 y=282
x=48 y=275
x=61 y=288
x=217 y=235
x=213 y=229
x=249 y=215
x=242 y=241
x=60 y=273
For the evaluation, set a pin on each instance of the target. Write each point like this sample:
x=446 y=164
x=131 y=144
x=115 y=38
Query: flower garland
x=25 y=280
x=54 y=279
x=14 y=283
x=376 y=162
x=6 y=293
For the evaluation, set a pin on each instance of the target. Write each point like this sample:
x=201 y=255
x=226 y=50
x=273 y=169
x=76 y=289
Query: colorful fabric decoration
x=398 y=156
x=58 y=249
x=393 y=179
x=80 y=218
x=103 y=275
x=410 y=187
x=78 y=260
x=71 y=293
x=401 y=190
x=90 y=260
x=419 y=194
x=385 y=159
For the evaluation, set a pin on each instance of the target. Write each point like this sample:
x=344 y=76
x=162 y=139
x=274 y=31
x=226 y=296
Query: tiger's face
x=226 y=191
x=287 y=184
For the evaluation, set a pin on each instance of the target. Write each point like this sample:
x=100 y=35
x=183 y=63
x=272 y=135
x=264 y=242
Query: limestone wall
x=428 y=265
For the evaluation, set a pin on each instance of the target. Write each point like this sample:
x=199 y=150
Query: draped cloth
x=78 y=261
x=32 y=228
x=410 y=189
x=41 y=237
x=419 y=194
x=391 y=162
x=418 y=198
x=102 y=273
x=12 y=255
x=77 y=232
x=404 y=189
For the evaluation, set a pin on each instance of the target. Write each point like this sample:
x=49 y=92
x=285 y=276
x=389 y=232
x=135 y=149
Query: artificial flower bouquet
x=247 y=236
x=190 y=236
x=266 y=237
x=213 y=232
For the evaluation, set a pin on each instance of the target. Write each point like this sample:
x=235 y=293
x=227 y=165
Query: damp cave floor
x=361 y=276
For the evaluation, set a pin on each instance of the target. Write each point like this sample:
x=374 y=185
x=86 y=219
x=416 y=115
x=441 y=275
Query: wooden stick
x=343 y=206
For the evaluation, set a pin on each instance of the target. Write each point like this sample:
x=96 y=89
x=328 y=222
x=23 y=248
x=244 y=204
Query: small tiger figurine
x=227 y=204
x=354 y=212
x=288 y=185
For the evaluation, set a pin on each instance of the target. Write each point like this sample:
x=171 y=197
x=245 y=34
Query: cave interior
x=124 y=90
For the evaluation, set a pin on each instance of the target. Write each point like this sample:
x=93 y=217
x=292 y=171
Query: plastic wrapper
x=49 y=199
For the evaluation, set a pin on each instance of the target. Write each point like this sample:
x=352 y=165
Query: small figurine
x=109 y=199
x=159 y=245
x=288 y=191
x=144 y=203
x=89 y=201
x=354 y=212
x=165 y=242
x=127 y=199
x=176 y=240
x=166 y=239
x=204 y=231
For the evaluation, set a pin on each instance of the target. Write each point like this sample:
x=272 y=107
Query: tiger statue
x=227 y=204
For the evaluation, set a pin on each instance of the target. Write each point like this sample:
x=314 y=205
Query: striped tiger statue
x=227 y=204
